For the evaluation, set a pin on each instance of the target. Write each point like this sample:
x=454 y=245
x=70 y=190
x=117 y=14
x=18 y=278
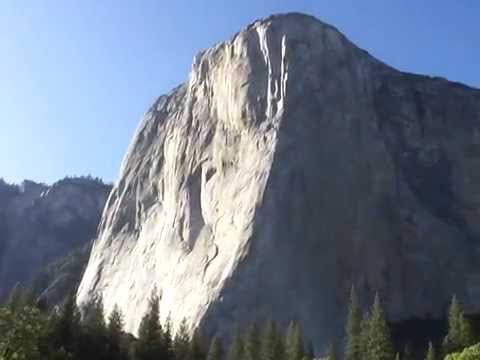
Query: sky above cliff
x=76 y=76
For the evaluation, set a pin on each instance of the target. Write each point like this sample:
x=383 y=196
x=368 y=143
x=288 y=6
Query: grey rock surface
x=40 y=224
x=61 y=277
x=291 y=165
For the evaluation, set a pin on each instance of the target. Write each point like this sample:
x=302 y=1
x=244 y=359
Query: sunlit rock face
x=40 y=224
x=289 y=166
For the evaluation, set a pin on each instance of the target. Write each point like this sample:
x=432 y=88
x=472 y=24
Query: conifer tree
x=459 y=333
x=181 y=341
x=195 y=350
x=408 y=353
x=21 y=331
x=15 y=297
x=331 y=353
x=66 y=327
x=60 y=354
x=115 y=325
x=430 y=352
x=93 y=339
x=353 y=346
x=294 y=349
x=310 y=352
x=379 y=344
x=235 y=351
x=252 y=343
x=271 y=345
x=215 y=350
x=364 y=335
x=93 y=318
x=167 y=340
x=150 y=335
x=20 y=297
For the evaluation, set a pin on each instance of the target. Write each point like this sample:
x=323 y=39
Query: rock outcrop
x=291 y=165
x=41 y=224
x=61 y=277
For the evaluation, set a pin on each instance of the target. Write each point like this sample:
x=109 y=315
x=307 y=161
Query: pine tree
x=181 y=342
x=235 y=351
x=167 y=340
x=150 y=334
x=60 y=354
x=271 y=345
x=195 y=350
x=116 y=350
x=310 y=352
x=353 y=350
x=379 y=344
x=459 y=333
x=21 y=331
x=430 y=352
x=93 y=339
x=93 y=318
x=252 y=343
x=215 y=350
x=294 y=349
x=364 y=335
x=20 y=297
x=150 y=327
x=66 y=327
x=115 y=323
x=408 y=353
x=331 y=353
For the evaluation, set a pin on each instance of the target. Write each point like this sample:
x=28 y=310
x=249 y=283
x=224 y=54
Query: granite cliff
x=40 y=225
x=290 y=165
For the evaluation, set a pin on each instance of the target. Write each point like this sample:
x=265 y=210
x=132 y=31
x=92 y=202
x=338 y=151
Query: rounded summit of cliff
x=288 y=17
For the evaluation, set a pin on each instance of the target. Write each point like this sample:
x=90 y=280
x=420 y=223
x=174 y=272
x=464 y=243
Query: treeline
x=368 y=335
x=82 y=179
x=29 y=331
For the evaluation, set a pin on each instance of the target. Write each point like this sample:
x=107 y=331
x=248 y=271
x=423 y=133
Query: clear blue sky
x=76 y=76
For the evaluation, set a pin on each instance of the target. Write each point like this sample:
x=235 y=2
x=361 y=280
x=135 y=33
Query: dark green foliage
x=167 y=340
x=430 y=352
x=150 y=335
x=94 y=340
x=66 y=327
x=93 y=318
x=20 y=297
x=353 y=342
x=310 y=352
x=116 y=347
x=29 y=332
x=252 y=343
x=364 y=334
x=459 y=334
x=236 y=350
x=330 y=355
x=215 y=350
x=272 y=346
x=181 y=342
x=408 y=353
x=378 y=342
x=294 y=349
x=195 y=351
x=115 y=324
x=60 y=354
x=21 y=332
